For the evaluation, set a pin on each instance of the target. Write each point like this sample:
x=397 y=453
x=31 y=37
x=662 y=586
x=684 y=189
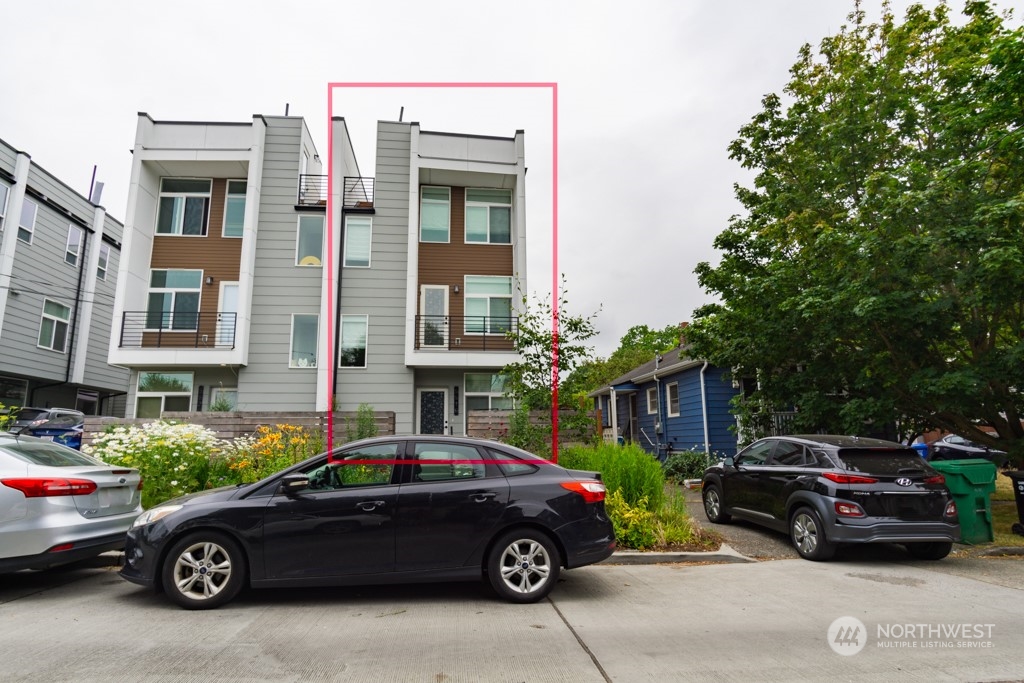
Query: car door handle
x=368 y=505
x=481 y=497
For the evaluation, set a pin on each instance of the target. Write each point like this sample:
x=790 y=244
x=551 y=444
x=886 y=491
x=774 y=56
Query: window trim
x=298 y=235
x=164 y=394
x=668 y=397
x=228 y=196
x=366 y=340
x=178 y=230
x=448 y=203
x=103 y=262
x=77 y=254
x=467 y=203
x=652 y=406
x=43 y=315
x=369 y=242
x=30 y=229
x=490 y=395
x=292 y=363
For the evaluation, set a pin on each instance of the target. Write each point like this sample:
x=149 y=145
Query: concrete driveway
x=731 y=622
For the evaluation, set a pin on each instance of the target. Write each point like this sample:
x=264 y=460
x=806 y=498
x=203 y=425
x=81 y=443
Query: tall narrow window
x=489 y=216
x=234 y=209
x=488 y=304
x=358 y=231
x=652 y=401
x=174 y=300
x=309 y=245
x=27 y=224
x=353 y=341
x=73 y=249
x=104 y=262
x=184 y=206
x=53 y=326
x=434 y=213
x=4 y=193
x=304 y=334
x=673 y=399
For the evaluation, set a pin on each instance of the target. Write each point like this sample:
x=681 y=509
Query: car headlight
x=157 y=513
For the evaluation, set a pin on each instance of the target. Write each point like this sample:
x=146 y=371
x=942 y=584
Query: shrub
x=173 y=458
x=627 y=469
x=685 y=465
x=634 y=525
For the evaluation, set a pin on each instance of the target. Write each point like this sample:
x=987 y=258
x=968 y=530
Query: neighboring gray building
x=235 y=287
x=59 y=258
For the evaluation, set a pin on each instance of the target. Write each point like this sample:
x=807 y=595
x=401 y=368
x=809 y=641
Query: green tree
x=637 y=346
x=876 y=273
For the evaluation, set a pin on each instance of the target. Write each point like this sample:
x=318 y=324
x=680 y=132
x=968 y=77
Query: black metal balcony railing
x=358 y=193
x=312 y=190
x=182 y=330
x=468 y=333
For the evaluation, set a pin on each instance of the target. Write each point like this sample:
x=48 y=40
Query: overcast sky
x=650 y=94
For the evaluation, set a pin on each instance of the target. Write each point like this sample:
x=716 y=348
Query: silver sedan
x=58 y=505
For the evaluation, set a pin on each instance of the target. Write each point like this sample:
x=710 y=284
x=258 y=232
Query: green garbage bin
x=971 y=482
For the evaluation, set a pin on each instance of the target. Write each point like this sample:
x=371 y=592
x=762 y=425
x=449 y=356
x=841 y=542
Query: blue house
x=671 y=403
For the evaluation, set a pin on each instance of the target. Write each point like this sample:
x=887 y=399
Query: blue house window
x=672 y=391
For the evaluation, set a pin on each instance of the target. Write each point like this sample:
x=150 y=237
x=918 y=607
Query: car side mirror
x=292 y=484
x=730 y=461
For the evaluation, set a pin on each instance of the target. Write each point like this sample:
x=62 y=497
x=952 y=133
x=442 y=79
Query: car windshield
x=48 y=454
x=882 y=461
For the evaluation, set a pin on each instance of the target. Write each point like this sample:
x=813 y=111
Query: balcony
x=165 y=329
x=312 y=190
x=469 y=333
x=358 y=194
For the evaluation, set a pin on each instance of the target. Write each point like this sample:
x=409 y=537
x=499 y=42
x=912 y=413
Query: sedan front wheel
x=203 y=570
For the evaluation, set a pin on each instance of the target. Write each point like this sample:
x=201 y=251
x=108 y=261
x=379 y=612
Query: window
x=13 y=391
x=788 y=454
x=445 y=461
x=355 y=468
x=358 y=231
x=309 y=246
x=672 y=392
x=53 y=327
x=160 y=391
x=652 y=401
x=353 y=341
x=510 y=464
x=174 y=300
x=488 y=304
x=485 y=391
x=304 y=339
x=489 y=216
x=434 y=213
x=4 y=193
x=103 y=263
x=223 y=398
x=757 y=453
x=234 y=209
x=73 y=249
x=27 y=224
x=184 y=206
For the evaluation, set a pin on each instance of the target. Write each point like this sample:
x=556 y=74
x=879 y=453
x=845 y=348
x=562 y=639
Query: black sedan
x=829 y=490
x=383 y=510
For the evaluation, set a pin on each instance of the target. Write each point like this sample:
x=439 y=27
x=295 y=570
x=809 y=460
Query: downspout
x=704 y=409
x=658 y=433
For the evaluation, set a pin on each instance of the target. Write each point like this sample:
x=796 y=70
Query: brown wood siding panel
x=447 y=264
x=215 y=255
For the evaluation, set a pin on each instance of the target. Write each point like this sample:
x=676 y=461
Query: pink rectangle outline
x=554 y=229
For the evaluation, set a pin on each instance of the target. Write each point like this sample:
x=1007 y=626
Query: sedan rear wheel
x=203 y=570
x=523 y=566
x=808 y=535
x=713 y=507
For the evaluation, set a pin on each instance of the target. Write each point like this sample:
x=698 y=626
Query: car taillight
x=592 y=491
x=41 y=487
x=848 y=478
x=139 y=487
x=937 y=479
x=950 y=510
x=848 y=509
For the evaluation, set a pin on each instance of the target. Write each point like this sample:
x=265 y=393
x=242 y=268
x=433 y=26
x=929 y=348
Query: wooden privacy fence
x=231 y=425
x=494 y=424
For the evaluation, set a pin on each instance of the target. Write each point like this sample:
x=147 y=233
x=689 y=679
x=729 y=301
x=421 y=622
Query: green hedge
x=630 y=470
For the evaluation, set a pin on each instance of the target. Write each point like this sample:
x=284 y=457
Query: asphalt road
x=670 y=622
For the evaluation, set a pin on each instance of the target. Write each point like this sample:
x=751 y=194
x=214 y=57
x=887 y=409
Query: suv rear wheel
x=808 y=535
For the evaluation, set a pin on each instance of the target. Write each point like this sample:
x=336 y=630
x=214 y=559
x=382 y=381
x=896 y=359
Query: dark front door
x=343 y=524
x=433 y=411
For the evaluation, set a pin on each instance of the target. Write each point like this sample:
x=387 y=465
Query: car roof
x=841 y=441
